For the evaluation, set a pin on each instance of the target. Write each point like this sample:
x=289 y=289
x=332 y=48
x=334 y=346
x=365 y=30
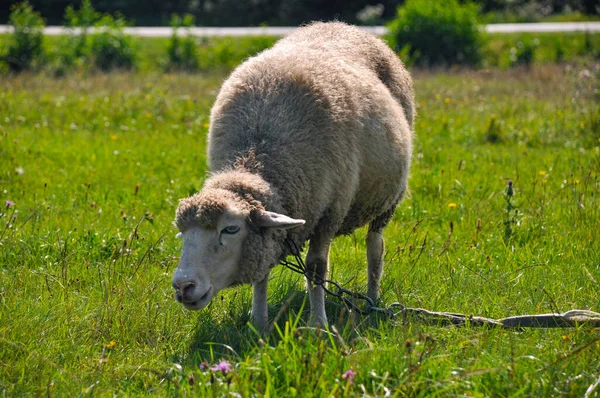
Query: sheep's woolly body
x=318 y=128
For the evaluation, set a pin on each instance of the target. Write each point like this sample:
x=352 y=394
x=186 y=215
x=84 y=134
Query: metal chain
x=352 y=299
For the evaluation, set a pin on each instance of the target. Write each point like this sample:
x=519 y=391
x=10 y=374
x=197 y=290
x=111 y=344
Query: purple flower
x=222 y=366
x=349 y=375
x=9 y=203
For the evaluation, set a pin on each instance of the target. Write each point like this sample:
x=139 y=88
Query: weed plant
x=182 y=53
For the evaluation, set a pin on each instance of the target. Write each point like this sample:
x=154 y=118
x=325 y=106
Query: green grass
x=96 y=164
x=547 y=48
x=531 y=15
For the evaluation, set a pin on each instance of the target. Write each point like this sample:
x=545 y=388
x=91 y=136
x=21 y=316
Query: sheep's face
x=212 y=258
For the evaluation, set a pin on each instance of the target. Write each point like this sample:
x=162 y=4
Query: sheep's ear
x=268 y=219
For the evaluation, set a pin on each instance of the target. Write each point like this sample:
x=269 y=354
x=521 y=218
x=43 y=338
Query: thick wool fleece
x=319 y=128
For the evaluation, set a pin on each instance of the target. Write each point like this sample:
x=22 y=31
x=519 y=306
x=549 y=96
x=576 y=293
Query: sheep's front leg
x=375 y=248
x=260 y=310
x=316 y=266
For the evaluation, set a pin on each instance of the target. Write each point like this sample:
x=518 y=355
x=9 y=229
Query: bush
x=438 y=32
x=75 y=47
x=523 y=53
x=111 y=48
x=182 y=53
x=25 y=43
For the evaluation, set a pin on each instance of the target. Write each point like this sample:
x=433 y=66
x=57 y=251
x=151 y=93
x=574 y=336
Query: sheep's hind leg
x=316 y=266
x=260 y=309
x=375 y=246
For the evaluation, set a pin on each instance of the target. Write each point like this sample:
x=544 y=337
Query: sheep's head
x=224 y=244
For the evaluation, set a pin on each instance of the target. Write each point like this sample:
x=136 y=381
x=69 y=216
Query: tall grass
x=91 y=169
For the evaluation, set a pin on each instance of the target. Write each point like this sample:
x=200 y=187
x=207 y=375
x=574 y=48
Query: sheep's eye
x=230 y=230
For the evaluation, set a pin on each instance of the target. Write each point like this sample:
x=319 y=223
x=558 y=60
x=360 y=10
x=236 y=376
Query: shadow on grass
x=228 y=333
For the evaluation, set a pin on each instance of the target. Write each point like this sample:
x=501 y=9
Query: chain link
x=352 y=299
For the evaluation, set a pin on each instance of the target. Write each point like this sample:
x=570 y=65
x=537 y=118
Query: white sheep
x=308 y=140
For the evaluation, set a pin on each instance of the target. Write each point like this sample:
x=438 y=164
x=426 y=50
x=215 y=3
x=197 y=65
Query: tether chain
x=351 y=299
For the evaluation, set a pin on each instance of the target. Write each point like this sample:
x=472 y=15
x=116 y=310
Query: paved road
x=379 y=30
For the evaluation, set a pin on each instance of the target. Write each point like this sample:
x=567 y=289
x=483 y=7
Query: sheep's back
x=328 y=132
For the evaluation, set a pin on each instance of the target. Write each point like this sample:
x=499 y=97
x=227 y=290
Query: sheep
x=308 y=140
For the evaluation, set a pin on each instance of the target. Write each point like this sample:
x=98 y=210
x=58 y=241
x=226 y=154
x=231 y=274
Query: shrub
x=182 y=53
x=523 y=53
x=75 y=47
x=110 y=47
x=439 y=32
x=25 y=43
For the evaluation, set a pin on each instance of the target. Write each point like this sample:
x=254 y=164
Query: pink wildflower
x=222 y=366
x=9 y=203
x=349 y=375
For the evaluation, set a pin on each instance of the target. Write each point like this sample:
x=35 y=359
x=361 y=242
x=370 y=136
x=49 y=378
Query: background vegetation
x=82 y=51
x=438 y=33
x=295 y=12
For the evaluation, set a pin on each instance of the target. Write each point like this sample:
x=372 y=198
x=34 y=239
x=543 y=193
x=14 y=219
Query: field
x=91 y=170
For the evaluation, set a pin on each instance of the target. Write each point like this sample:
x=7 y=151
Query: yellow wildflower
x=447 y=100
x=451 y=205
x=542 y=173
x=113 y=137
x=112 y=344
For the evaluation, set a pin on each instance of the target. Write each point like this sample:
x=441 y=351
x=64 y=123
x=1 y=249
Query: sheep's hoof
x=262 y=326
x=318 y=322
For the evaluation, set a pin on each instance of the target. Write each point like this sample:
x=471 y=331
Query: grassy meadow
x=91 y=170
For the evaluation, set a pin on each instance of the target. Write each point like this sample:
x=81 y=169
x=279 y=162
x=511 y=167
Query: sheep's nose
x=184 y=290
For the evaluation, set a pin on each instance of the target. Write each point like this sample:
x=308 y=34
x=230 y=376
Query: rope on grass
x=567 y=319
x=352 y=299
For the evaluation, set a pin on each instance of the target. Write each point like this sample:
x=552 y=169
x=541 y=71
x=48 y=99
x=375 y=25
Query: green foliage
x=66 y=54
x=86 y=302
x=504 y=50
x=441 y=33
x=523 y=53
x=111 y=48
x=228 y=52
x=182 y=53
x=75 y=49
x=25 y=43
